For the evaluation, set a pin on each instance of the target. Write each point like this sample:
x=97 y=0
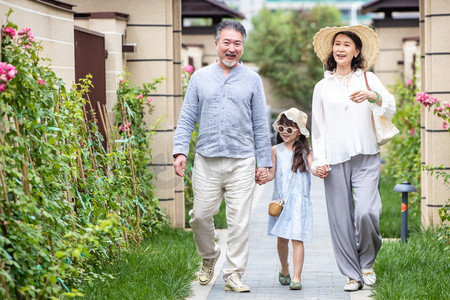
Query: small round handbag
x=275 y=207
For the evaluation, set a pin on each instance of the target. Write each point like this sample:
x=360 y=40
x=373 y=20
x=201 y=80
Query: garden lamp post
x=404 y=187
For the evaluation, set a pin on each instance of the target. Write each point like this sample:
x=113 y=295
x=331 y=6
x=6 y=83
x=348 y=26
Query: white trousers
x=214 y=178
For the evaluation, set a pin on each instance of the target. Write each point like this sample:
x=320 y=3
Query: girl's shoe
x=284 y=280
x=295 y=285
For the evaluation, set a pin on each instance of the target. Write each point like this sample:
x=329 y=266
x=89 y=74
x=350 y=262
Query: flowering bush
x=440 y=108
x=404 y=159
x=66 y=204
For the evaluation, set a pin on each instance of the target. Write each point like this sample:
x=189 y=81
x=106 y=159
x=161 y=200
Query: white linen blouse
x=342 y=128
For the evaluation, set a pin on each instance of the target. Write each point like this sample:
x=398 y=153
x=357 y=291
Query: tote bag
x=382 y=126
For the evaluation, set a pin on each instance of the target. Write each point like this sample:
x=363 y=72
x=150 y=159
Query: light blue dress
x=296 y=219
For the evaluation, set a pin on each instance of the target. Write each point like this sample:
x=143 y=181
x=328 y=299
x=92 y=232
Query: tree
x=281 y=45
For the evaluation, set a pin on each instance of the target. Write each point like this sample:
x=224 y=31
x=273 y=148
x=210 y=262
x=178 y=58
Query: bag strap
x=367 y=84
x=289 y=184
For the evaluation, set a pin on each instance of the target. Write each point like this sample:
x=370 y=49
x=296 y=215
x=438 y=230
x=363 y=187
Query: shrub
x=66 y=204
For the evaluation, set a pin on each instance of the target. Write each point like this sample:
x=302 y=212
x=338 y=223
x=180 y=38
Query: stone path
x=321 y=278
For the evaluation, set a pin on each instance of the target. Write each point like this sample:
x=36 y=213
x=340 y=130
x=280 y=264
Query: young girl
x=292 y=159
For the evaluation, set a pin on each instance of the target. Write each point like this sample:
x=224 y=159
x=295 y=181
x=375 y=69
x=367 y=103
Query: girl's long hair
x=301 y=146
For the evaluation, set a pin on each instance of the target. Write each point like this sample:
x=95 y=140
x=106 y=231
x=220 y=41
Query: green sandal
x=295 y=285
x=284 y=280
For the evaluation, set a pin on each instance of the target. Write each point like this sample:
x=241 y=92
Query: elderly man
x=227 y=99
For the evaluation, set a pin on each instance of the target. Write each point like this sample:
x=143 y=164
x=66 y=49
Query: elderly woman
x=345 y=145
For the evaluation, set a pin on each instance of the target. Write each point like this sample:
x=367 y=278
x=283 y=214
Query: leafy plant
x=403 y=159
x=66 y=204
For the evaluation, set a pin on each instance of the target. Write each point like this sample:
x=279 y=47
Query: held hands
x=261 y=176
x=323 y=171
x=180 y=165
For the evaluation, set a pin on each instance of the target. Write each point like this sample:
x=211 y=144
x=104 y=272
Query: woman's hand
x=361 y=96
x=322 y=172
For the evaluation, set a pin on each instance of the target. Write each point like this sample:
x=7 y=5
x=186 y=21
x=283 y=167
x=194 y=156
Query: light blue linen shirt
x=231 y=113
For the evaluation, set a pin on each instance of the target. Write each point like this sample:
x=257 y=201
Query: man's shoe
x=352 y=285
x=235 y=284
x=369 y=276
x=207 y=271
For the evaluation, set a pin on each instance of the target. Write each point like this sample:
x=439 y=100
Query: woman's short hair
x=358 y=62
x=230 y=24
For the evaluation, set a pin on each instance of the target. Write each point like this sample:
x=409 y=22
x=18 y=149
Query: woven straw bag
x=275 y=207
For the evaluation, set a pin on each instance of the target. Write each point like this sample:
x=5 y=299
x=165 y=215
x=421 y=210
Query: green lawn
x=419 y=269
x=163 y=268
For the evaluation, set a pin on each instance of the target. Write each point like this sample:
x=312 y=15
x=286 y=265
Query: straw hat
x=323 y=39
x=296 y=116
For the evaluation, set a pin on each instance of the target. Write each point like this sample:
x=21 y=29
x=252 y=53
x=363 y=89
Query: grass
x=162 y=268
x=390 y=219
x=418 y=269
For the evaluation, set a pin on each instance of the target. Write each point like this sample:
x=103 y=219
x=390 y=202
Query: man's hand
x=261 y=176
x=180 y=165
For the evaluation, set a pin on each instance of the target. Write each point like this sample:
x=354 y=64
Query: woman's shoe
x=295 y=285
x=284 y=280
x=352 y=285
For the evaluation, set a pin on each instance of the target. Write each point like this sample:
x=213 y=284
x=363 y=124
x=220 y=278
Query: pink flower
x=409 y=82
x=411 y=132
x=149 y=99
x=121 y=81
x=12 y=73
x=8 y=31
x=444 y=125
x=140 y=96
x=2 y=87
x=3 y=77
x=41 y=82
x=446 y=104
x=189 y=69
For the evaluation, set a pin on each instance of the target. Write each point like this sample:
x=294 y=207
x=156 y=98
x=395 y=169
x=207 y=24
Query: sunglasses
x=287 y=130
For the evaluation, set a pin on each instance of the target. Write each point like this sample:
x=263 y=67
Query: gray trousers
x=354 y=208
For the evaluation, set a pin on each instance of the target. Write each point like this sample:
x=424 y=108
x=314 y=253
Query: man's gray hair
x=230 y=24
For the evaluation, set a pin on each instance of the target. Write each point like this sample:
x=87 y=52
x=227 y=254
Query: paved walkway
x=321 y=278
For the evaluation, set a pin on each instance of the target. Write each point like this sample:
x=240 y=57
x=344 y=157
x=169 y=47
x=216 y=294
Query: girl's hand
x=360 y=96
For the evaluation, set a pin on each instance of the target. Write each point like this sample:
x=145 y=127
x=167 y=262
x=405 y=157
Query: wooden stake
x=24 y=166
x=5 y=287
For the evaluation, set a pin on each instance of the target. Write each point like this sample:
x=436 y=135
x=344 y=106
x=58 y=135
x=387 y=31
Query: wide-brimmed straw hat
x=323 y=40
x=296 y=116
